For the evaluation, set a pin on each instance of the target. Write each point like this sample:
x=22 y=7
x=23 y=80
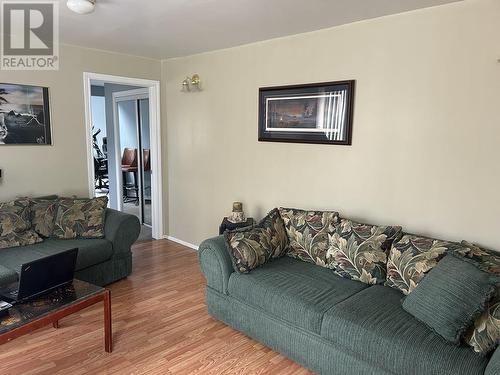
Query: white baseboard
x=181 y=242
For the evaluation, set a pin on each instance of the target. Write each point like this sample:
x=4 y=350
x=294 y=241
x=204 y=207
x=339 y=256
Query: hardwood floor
x=160 y=326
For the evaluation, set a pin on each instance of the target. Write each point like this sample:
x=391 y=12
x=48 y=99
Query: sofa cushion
x=359 y=251
x=14 y=217
x=251 y=247
x=462 y=290
x=90 y=252
x=373 y=325
x=295 y=291
x=43 y=215
x=14 y=257
x=308 y=233
x=14 y=239
x=7 y=276
x=411 y=257
x=82 y=218
x=484 y=334
x=484 y=259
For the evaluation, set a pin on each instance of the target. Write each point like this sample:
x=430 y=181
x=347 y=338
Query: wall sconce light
x=191 y=83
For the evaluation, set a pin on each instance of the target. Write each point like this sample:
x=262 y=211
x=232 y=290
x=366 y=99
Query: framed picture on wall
x=311 y=113
x=24 y=115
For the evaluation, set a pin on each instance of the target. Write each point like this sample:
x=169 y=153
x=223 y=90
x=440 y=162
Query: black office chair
x=101 y=173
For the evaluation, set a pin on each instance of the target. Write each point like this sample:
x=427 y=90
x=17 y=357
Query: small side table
x=227 y=225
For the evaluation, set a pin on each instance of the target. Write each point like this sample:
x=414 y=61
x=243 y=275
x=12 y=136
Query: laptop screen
x=46 y=273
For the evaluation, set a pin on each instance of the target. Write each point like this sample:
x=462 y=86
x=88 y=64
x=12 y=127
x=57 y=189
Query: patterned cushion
x=484 y=335
x=359 y=251
x=251 y=247
x=14 y=217
x=462 y=290
x=43 y=216
x=28 y=237
x=80 y=218
x=411 y=257
x=308 y=233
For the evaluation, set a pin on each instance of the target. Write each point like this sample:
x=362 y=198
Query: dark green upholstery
x=215 y=263
x=122 y=230
x=90 y=252
x=13 y=257
x=374 y=324
x=493 y=367
x=293 y=290
x=366 y=333
x=107 y=272
x=7 y=275
x=462 y=290
x=100 y=261
x=304 y=347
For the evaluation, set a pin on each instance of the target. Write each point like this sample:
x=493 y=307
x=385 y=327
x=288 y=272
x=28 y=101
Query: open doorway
x=123 y=130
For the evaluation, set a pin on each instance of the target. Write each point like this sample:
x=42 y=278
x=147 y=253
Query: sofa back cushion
x=43 y=215
x=359 y=251
x=411 y=257
x=252 y=247
x=14 y=217
x=484 y=335
x=462 y=291
x=308 y=233
x=83 y=218
x=14 y=239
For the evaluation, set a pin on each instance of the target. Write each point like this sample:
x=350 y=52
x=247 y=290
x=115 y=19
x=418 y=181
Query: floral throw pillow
x=43 y=216
x=28 y=237
x=411 y=257
x=308 y=233
x=359 y=251
x=252 y=247
x=484 y=335
x=14 y=217
x=80 y=218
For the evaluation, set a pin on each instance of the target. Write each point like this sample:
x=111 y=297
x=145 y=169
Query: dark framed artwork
x=311 y=113
x=24 y=115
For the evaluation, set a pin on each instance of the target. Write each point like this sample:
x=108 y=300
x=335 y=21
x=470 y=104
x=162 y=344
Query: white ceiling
x=171 y=28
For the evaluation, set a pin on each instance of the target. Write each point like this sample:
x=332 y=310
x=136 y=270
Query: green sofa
x=100 y=261
x=327 y=323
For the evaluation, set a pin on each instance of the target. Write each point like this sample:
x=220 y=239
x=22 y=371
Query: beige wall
x=62 y=168
x=426 y=142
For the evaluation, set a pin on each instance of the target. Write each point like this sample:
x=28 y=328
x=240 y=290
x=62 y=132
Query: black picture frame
x=308 y=113
x=24 y=115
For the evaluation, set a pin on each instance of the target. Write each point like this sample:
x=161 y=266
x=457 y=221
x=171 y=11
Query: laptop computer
x=41 y=276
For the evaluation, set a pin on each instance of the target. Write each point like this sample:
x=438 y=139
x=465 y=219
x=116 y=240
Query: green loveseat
x=327 y=323
x=100 y=261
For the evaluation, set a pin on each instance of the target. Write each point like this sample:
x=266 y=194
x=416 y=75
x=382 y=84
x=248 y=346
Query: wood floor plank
x=161 y=327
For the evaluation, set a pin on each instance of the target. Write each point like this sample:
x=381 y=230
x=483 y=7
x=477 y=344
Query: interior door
x=132 y=109
x=144 y=136
x=130 y=145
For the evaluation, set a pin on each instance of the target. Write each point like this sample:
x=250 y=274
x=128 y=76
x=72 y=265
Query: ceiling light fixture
x=81 y=6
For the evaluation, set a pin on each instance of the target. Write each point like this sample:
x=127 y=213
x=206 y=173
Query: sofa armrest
x=493 y=367
x=121 y=229
x=215 y=263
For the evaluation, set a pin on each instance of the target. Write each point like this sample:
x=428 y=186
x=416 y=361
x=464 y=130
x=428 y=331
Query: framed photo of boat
x=24 y=115
x=311 y=113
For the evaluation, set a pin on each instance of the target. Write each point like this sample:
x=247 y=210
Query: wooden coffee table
x=48 y=309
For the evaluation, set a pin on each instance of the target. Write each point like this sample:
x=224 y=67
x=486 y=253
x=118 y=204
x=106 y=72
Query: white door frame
x=155 y=135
